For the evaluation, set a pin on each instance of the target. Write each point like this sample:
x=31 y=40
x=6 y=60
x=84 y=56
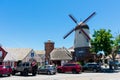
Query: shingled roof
x=41 y=54
x=10 y=57
x=18 y=53
x=60 y=54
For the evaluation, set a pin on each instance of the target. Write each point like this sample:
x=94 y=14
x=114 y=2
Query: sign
x=32 y=54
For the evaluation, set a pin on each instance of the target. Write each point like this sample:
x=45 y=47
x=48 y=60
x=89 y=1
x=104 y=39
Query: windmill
x=82 y=38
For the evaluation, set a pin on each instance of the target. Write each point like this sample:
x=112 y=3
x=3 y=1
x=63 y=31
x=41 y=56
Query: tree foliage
x=102 y=40
x=117 y=40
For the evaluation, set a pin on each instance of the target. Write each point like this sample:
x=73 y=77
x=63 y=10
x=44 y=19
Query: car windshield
x=47 y=67
x=50 y=67
x=8 y=67
x=42 y=67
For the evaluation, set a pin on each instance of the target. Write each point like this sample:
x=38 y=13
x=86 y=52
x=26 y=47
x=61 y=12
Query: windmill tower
x=82 y=38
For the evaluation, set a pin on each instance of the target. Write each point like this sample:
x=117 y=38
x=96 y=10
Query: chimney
x=49 y=46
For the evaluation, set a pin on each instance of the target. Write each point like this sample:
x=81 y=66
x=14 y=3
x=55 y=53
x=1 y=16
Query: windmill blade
x=73 y=18
x=68 y=33
x=85 y=22
x=85 y=33
x=79 y=25
x=89 y=17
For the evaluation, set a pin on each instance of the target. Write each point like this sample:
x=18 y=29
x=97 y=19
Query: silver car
x=47 y=69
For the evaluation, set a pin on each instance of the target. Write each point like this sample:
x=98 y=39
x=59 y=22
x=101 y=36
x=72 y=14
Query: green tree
x=117 y=41
x=102 y=40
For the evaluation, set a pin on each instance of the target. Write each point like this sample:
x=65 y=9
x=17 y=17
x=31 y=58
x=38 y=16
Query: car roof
x=91 y=63
x=49 y=65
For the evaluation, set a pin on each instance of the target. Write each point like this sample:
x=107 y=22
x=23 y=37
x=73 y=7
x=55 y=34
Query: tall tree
x=117 y=40
x=102 y=40
x=117 y=44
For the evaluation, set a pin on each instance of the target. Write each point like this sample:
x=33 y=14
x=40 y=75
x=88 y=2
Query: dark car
x=5 y=70
x=47 y=69
x=69 y=67
x=91 y=67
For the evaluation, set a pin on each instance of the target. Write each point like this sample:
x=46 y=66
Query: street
x=68 y=76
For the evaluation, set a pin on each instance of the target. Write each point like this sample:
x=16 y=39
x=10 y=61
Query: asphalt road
x=68 y=76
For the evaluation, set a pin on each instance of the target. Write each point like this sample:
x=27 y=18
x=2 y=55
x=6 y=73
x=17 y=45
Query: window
x=87 y=40
x=27 y=64
x=0 y=63
x=69 y=65
x=23 y=64
x=0 y=53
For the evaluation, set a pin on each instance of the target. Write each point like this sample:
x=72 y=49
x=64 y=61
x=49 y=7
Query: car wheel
x=94 y=70
x=59 y=70
x=25 y=72
x=34 y=73
x=0 y=75
x=21 y=73
x=55 y=73
x=49 y=73
x=8 y=74
x=13 y=72
x=74 y=71
x=82 y=70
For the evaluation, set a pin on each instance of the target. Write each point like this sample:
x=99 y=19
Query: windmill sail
x=87 y=36
x=68 y=33
x=78 y=25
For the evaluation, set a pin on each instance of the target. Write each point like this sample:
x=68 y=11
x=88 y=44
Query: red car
x=69 y=67
x=5 y=70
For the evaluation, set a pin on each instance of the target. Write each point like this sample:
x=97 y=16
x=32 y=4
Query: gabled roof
x=60 y=54
x=71 y=49
x=40 y=52
x=2 y=49
x=18 y=53
x=9 y=57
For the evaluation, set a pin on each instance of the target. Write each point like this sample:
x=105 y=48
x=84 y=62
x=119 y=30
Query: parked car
x=116 y=62
x=25 y=68
x=47 y=69
x=91 y=67
x=5 y=70
x=69 y=67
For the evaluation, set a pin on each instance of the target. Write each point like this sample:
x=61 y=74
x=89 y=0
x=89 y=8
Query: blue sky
x=30 y=23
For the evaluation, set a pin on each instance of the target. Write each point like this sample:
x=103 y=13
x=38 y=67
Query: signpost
x=32 y=54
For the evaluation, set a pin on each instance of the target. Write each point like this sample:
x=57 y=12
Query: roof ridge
x=67 y=52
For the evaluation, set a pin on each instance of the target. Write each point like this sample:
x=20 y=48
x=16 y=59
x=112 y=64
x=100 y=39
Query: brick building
x=49 y=46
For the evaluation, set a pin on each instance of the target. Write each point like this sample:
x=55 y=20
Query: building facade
x=3 y=53
x=49 y=46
